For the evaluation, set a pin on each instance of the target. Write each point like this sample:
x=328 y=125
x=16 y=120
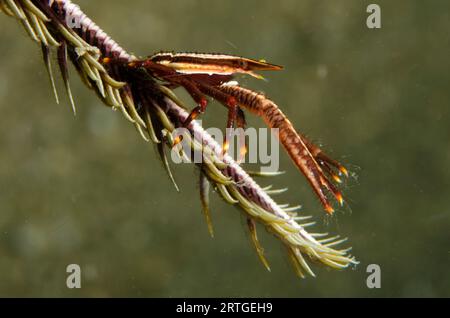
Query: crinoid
x=141 y=88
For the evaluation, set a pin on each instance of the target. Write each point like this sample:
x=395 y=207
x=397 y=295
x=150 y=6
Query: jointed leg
x=232 y=116
x=241 y=124
x=199 y=98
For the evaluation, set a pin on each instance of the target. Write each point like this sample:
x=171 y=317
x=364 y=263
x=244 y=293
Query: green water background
x=88 y=190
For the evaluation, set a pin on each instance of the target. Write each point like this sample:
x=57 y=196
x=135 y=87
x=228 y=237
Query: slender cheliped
x=141 y=88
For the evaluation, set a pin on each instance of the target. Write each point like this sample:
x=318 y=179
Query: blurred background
x=89 y=191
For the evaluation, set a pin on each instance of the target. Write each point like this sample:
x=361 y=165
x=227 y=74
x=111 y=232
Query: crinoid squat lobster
x=142 y=89
x=211 y=74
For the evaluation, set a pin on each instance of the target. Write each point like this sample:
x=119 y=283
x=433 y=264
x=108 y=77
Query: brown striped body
x=219 y=64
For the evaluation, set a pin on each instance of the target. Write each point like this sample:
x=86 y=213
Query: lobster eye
x=243 y=64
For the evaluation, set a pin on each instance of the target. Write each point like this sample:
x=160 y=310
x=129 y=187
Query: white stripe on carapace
x=197 y=63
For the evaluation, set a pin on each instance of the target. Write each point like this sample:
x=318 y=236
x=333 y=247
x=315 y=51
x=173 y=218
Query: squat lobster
x=210 y=75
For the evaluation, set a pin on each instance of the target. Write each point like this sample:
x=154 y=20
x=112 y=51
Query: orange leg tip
x=106 y=60
x=329 y=209
x=226 y=146
x=177 y=140
x=192 y=116
x=343 y=170
x=242 y=154
x=337 y=179
x=243 y=151
x=339 y=198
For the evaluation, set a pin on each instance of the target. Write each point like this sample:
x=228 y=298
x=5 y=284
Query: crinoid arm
x=144 y=97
